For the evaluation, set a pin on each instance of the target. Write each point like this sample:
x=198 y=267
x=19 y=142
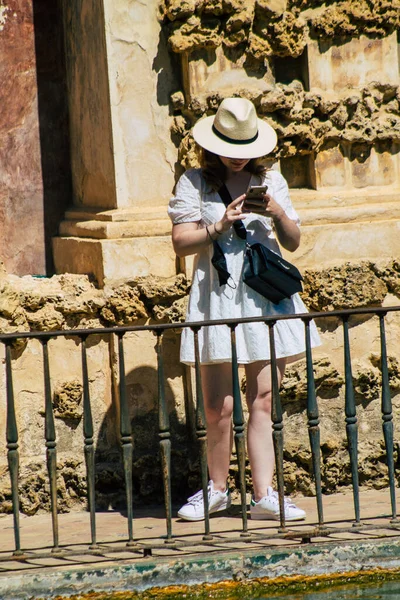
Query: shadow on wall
x=53 y=119
x=142 y=396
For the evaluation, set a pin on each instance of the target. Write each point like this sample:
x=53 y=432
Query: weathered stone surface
x=123 y=306
x=280 y=26
x=299 y=119
x=174 y=313
x=327 y=381
x=390 y=275
x=65 y=302
x=393 y=370
x=346 y=286
x=346 y=18
x=156 y=291
x=68 y=301
x=67 y=400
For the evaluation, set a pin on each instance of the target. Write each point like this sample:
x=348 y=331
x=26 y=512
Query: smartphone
x=254 y=196
x=256 y=192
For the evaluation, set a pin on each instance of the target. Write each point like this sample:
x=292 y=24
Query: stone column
x=34 y=176
x=120 y=78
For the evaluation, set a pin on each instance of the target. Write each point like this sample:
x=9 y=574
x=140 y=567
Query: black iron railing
x=126 y=433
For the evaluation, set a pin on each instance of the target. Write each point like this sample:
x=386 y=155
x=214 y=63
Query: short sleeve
x=280 y=193
x=185 y=205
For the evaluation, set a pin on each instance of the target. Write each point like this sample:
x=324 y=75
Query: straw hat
x=235 y=131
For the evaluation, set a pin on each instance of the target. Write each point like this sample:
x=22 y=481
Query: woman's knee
x=219 y=414
x=260 y=402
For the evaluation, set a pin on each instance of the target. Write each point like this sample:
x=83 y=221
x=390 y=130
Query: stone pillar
x=120 y=78
x=34 y=174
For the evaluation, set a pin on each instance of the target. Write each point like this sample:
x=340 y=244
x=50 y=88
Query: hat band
x=225 y=138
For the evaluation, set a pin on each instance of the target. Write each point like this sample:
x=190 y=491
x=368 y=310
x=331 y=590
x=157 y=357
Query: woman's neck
x=237 y=182
x=237 y=175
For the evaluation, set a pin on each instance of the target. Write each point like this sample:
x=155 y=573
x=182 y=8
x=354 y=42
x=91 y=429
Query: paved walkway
x=149 y=532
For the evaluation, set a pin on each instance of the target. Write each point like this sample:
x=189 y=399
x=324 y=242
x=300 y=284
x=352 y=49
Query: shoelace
x=287 y=501
x=197 y=498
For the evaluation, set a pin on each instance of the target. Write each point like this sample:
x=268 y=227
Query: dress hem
x=289 y=359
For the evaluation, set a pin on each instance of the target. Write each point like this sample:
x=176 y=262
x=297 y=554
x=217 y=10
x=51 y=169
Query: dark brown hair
x=215 y=172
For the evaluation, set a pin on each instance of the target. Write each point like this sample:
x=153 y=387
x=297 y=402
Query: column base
x=115 y=244
x=115 y=259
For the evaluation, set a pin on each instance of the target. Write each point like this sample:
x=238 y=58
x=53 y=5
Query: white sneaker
x=193 y=510
x=268 y=508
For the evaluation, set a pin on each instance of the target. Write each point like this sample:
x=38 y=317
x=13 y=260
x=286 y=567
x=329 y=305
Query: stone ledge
x=360 y=213
x=332 y=197
x=271 y=564
x=115 y=230
x=84 y=213
x=323 y=245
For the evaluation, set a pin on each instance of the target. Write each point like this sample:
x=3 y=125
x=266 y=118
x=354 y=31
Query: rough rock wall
x=274 y=27
x=306 y=121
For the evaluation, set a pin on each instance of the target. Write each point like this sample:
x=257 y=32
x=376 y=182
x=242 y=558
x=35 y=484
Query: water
x=389 y=590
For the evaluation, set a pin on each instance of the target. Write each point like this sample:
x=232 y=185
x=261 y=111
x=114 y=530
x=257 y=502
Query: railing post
x=88 y=443
x=238 y=428
x=351 y=419
x=12 y=449
x=201 y=432
x=387 y=416
x=313 y=423
x=164 y=436
x=126 y=438
x=277 y=426
x=51 y=444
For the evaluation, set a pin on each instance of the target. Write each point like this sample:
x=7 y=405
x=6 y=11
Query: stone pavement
x=149 y=531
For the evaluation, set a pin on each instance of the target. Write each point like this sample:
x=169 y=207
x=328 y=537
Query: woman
x=231 y=141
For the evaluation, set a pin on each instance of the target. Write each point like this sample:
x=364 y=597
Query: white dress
x=195 y=201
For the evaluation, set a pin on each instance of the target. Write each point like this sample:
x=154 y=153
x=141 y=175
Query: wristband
x=216 y=230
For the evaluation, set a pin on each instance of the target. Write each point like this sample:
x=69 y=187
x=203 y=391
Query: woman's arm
x=188 y=238
x=287 y=231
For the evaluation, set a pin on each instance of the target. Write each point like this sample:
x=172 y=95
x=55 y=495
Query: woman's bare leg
x=259 y=429
x=218 y=402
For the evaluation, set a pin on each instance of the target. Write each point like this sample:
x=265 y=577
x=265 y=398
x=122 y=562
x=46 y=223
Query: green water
x=389 y=590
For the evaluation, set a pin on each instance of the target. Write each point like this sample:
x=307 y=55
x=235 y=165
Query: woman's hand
x=265 y=206
x=232 y=214
x=287 y=230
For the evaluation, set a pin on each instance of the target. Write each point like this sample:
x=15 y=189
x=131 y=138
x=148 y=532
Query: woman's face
x=234 y=164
